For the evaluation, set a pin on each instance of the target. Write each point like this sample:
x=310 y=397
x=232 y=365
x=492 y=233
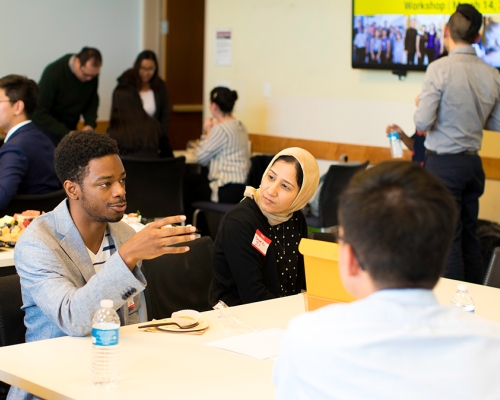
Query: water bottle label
x=104 y=337
x=469 y=308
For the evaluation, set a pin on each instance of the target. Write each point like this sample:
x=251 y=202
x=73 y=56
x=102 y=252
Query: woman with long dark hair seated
x=143 y=76
x=136 y=132
x=256 y=254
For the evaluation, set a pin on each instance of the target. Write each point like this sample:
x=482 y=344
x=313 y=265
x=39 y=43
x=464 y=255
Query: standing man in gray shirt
x=460 y=97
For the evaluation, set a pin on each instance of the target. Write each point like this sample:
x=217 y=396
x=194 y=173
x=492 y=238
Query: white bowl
x=188 y=314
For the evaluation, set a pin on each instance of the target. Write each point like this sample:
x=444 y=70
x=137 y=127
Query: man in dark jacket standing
x=68 y=90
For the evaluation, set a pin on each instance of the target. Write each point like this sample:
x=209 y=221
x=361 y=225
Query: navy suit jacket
x=27 y=165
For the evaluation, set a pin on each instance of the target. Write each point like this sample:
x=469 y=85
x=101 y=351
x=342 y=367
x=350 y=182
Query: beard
x=92 y=210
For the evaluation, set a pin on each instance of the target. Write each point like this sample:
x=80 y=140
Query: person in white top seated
x=224 y=149
x=397 y=222
x=153 y=92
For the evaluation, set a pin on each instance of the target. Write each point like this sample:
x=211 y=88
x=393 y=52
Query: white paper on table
x=262 y=344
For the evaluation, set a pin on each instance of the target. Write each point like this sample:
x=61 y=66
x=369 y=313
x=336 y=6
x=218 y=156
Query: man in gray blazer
x=71 y=258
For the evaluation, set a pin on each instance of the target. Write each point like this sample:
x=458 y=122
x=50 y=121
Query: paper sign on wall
x=223 y=48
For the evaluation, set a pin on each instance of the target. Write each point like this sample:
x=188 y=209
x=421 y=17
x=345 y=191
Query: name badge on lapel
x=261 y=242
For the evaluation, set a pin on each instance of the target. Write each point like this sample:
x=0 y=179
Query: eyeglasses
x=7 y=100
x=340 y=238
x=86 y=74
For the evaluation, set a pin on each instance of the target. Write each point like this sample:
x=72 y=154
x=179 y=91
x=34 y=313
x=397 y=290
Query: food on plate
x=12 y=227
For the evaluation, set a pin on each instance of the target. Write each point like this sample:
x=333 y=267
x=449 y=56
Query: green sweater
x=62 y=98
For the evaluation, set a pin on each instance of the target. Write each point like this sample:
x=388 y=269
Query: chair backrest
x=12 y=329
x=41 y=202
x=323 y=281
x=492 y=276
x=258 y=165
x=179 y=281
x=336 y=179
x=323 y=236
x=154 y=186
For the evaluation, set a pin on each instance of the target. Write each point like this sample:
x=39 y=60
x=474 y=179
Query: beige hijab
x=310 y=182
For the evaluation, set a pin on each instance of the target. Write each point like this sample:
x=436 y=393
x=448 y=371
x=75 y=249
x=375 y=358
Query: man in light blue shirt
x=460 y=97
x=396 y=342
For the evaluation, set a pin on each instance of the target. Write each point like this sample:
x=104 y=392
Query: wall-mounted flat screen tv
x=408 y=34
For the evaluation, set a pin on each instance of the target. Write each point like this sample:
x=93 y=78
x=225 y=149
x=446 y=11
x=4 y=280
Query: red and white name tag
x=261 y=242
x=130 y=303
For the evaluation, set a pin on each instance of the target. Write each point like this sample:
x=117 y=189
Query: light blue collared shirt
x=394 y=344
x=460 y=97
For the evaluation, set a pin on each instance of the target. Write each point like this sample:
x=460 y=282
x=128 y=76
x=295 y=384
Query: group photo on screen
x=394 y=39
x=488 y=48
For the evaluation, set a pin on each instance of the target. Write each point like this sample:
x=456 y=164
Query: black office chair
x=323 y=236
x=154 y=186
x=336 y=179
x=41 y=202
x=179 y=281
x=215 y=211
x=492 y=276
x=12 y=329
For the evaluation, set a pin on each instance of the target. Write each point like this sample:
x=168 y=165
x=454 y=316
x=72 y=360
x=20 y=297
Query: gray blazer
x=60 y=289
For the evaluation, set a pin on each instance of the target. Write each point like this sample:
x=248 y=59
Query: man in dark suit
x=411 y=43
x=27 y=155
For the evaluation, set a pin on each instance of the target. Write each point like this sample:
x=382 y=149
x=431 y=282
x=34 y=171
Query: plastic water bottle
x=105 y=331
x=463 y=299
x=396 y=146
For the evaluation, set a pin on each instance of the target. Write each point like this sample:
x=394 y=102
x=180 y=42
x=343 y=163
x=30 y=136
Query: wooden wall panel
x=332 y=151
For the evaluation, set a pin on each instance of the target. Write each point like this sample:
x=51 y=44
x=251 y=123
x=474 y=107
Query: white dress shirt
x=395 y=344
x=14 y=129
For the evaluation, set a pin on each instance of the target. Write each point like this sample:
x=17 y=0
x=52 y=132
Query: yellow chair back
x=323 y=282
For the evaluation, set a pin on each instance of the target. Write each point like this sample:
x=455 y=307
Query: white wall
x=35 y=33
x=302 y=48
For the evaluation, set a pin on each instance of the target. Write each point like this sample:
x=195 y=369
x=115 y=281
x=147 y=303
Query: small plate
x=174 y=328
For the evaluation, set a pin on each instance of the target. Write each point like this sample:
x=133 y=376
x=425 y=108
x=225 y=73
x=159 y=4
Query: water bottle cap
x=106 y=303
x=462 y=287
x=394 y=134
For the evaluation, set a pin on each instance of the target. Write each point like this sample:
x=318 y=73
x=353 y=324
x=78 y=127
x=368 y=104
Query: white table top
x=153 y=365
x=176 y=366
x=6 y=257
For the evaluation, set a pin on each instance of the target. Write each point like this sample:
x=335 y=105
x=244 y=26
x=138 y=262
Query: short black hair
x=77 y=149
x=400 y=220
x=20 y=88
x=465 y=24
x=224 y=98
x=89 y=53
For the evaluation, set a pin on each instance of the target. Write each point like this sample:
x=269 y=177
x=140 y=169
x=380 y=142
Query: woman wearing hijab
x=256 y=254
